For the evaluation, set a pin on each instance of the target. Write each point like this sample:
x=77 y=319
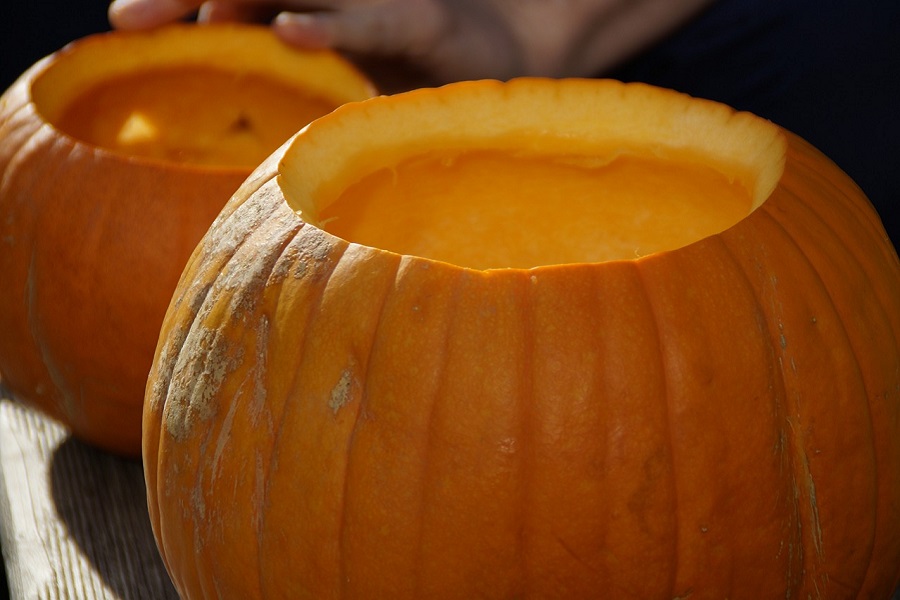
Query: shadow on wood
x=101 y=499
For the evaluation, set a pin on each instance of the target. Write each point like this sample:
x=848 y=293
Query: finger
x=216 y=11
x=389 y=28
x=305 y=30
x=145 y=14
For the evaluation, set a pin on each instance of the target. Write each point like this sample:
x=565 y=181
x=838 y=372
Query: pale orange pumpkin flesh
x=116 y=154
x=216 y=118
x=716 y=417
x=490 y=210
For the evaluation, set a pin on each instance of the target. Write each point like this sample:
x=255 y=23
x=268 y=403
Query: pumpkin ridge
x=528 y=453
x=264 y=175
x=794 y=446
x=800 y=154
x=28 y=146
x=14 y=122
x=780 y=409
x=215 y=260
x=432 y=419
x=152 y=437
x=221 y=308
x=265 y=312
x=361 y=412
x=24 y=152
x=71 y=406
x=850 y=340
x=642 y=278
x=45 y=171
x=887 y=254
x=171 y=345
x=264 y=501
x=259 y=330
x=196 y=503
x=9 y=116
x=851 y=252
x=801 y=442
x=230 y=228
x=323 y=271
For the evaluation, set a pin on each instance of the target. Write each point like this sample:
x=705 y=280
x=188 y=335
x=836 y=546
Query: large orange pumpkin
x=116 y=153
x=543 y=339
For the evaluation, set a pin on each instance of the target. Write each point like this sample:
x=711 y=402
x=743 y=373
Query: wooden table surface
x=73 y=520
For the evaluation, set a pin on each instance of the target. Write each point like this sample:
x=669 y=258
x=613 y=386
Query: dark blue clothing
x=828 y=70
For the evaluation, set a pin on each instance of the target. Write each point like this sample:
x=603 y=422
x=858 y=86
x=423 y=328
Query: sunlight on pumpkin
x=491 y=209
x=137 y=129
x=191 y=115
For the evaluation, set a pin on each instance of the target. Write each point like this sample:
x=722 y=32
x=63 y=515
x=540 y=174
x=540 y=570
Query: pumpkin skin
x=326 y=419
x=94 y=238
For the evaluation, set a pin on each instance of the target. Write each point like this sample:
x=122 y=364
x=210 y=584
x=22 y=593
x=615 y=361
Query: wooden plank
x=73 y=519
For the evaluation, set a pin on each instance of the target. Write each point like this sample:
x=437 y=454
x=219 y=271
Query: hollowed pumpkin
x=544 y=339
x=116 y=154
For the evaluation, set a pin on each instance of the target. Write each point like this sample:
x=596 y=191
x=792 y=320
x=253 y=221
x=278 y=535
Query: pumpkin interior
x=493 y=209
x=537 y=173
x=204 y=95
x=167 y=114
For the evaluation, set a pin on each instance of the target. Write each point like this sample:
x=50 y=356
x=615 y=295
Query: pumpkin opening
x=476 y=180
x=158 y=115
x=491 y=209
x=205 y=107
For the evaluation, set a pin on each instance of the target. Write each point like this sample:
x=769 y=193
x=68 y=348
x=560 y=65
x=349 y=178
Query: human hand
x=439 y=41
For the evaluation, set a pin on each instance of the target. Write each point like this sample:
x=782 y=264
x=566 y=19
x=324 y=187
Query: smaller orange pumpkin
x=116 y=154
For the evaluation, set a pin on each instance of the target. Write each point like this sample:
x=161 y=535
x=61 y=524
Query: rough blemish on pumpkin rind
x=231 y=231
x=260 y=491
x=199 y=506
x=212 y=484
x=254 y=238
x=814 y=506
x=167 y=353
x=208 y=356
x=340 y=394
x=258 y=408
x=508 y=445
x=221 y=441
x=202 y=367
x=172 y=346
x=310 y=248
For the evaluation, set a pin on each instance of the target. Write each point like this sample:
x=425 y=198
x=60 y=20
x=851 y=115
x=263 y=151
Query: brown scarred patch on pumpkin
x=196 y=382
x=341 y=393
x=171 y=349
x=309 y=249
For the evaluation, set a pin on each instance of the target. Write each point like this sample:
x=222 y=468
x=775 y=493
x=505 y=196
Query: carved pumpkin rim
x=528 y=117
